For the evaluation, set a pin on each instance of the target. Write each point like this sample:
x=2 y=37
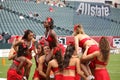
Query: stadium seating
x=64 y=19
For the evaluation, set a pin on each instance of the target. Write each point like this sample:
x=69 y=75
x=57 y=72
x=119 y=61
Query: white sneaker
x=24 y=78
x=90 y=77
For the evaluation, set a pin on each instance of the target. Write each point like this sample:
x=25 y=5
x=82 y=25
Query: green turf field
x=113 y=67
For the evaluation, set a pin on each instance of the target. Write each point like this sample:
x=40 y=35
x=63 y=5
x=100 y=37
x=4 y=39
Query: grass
x=113 y=67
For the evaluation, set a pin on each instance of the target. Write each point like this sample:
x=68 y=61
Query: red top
x=49 y=39
x=55 y=69
x=30 y=48
x=81 y=42
x=99 y=62
x=70 y=67
x=16 y=62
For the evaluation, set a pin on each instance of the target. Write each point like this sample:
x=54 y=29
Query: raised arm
x=17 y=43
x=89 y=57
x=12 y=54
x=76 y=44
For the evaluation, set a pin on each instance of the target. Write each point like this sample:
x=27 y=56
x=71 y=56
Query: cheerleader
x=101 y=59
x=36 y=75
x=16 y=70
x=82 y=40
x=42 y=63
x=71 y=64
x=28 y=39
x=51 y=37
x=56 y=65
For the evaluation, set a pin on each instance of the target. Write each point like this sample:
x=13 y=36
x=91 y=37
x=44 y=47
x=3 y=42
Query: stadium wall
x=114 y=42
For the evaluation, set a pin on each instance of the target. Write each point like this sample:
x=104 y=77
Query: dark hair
x=26 y=33
x=68 y=54
x=58 y=56
x=51 y=22
x=104 y=48
x=22 y=48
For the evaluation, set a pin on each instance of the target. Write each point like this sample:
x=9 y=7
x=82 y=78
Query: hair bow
x=42 y=43
x=71 y=43
x=55 y=50
x=75 y=27
x=49 y=19
x=17 y=37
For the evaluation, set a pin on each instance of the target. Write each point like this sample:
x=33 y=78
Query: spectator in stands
x=60 y=3
x=37 y=56
x=38 y=1
x=71 y=64
x=115 y=5
x=83 y=40
x=56 y=65
x=16 y=70
x=30 y=42
x=101 y=59
x=57 y=3
x=1 y=7
x=6 y=37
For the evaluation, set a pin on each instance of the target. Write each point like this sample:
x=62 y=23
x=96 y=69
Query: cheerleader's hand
x=22 y=41
x=87 y=47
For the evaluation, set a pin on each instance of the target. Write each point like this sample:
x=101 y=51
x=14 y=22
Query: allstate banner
x=92 y=9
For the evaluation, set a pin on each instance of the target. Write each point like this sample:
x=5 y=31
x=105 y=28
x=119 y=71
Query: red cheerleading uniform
x=36 y=73
x=101 y=74
x=52 y=44
x=29 y=55
x=91 y=49
x=76 y=77
x=57 y=76
x=12 y=73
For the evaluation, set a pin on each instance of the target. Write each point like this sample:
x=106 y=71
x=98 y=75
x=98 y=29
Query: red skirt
x=101 y=74
x=77 y=77
x=92 y=49
x=37 y=75
x=13 y=75
x=58 y=77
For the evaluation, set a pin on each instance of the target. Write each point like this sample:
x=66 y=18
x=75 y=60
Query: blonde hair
x=78 y=29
